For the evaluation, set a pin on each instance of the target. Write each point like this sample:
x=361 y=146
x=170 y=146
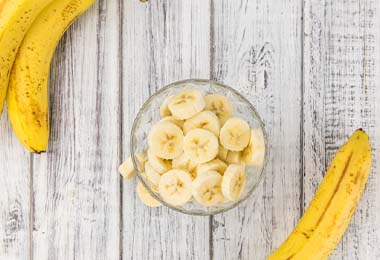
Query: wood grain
x=76 y=185
x=15 y=195
x=340 y=92
x=163 y=41
x=258 y=52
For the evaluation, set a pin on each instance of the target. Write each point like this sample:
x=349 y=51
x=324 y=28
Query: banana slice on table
x=183 y=162
x=159 y=165
x=152 y=175
x=235 y=134
x=175 y=187
x=254 y=153
x=220 y=105
x=206 y=120
x=164 y=109
x=233 y=157
x=222 y=154
x=207 y=189
x=233 y=182
x=127 y=170
x=214 y=165
x=166 y=140
x=173 y=120
x=200 y=145
x=186 y=103
x=145 y=196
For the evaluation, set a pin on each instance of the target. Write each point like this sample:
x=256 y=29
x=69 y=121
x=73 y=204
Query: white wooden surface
x=310 y=67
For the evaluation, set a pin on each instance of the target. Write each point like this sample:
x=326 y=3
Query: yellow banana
x=16 y=16
x=329 y=213
x=27 y=97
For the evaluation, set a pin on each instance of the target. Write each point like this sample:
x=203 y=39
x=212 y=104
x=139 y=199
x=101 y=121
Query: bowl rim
x=147 y=187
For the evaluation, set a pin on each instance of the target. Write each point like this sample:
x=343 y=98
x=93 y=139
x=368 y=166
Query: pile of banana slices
x=197 y=150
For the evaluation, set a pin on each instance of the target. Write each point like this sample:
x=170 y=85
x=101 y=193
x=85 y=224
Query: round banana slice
x=222 y=154
x=206 y=120
x=254 y=153
x=159 y=165
x=233 y=157
x=233 y=182
x=186 y=103
x=175 y=187
x=171 y=119
x=214 y=165
x=152 y=175
x=183 y=162
x=166 y=140
x=127 y=170
x=164 y=109
x=220 y=105
x=141 y=159
x=145 y=196
x=200 y=145
x=207 y=189
x=235 y=134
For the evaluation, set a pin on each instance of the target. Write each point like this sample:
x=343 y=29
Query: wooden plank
x=15 y=195
x=163 y=41
x=76 y=184
x=258 y=52
x=340 y=95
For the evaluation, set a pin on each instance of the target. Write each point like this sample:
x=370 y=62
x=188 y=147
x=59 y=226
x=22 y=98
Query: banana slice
x=152 y=175
x=235 y=134
x=127 y=170
x=233 y=182
x=222 y=154
x=220 y=105
x=200 y=145
x=233 y=157
x=183 y=162
x=164 y=109
x=206 y=120
x=214 y=165
x=171 y=119
x=166 y=140
x=159 y=165
x=255 y=151
x=186 y=103
x=207 y=189
x=175 y=187
x=145 y=196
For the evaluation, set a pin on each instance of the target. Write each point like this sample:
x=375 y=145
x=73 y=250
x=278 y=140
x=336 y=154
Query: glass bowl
x=149 y=114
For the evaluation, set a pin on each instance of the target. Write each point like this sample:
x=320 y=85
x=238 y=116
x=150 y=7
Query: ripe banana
x=145 y=196
x=171 y=119
x=159 y=165
x=220 y=105
x=28 y=87
x=233 y=157
x=183 y=162
x=207 y=189
x=254 y=153
x=186 y=103
x=200 y=145
x=233 y=182
x=206 y=120
x=127 y=170
x=16 y=16
x=164 y=109
x=175 y=187
x=214 y=165
x=235 y=134
x=329 y=213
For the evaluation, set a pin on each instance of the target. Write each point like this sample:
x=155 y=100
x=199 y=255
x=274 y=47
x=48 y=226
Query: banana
x=159 y=165
x=175 y=187
x=183 y=162
x=233 y=182
x=152 y=175
x=222 y=154
x=171 y=119
x=220 y=105
x=206 y=120
x=214 y=165
x=207 y=189
x=235 y=134
x=127 y=170
x=329 y=213
x=254 y=153
x=145 y=196
x=233 y=157
x=164 y=109
x=186 y=103
x=166 y=140
x=200 y=145
x=16 y=16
